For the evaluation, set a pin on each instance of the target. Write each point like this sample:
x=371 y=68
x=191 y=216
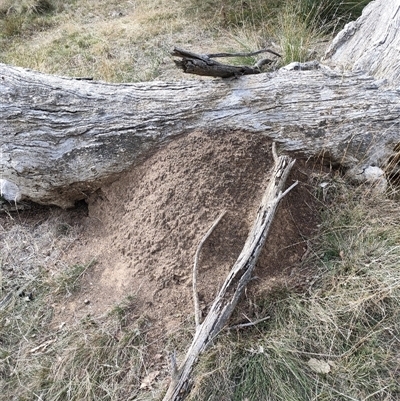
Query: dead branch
x=197 y=314
x=215 y=55
x=237 y=279
x=203 y=64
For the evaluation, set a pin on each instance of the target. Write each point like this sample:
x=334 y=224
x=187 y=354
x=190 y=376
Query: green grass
x=302 y=26
x=348 y=321
x=295 y=35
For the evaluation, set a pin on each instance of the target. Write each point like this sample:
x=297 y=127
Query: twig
x=283 y=194
x=243 y=54
x=174 y=368
x=195 y=268
x=274 y=152
x=251 y=323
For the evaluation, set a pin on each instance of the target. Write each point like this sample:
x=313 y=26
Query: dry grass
x=45 y=353
x=297 y=36
x=42 y=357
x=90 y=360
x=131 y=40
x=348 y=321
x=113 y=41
x=338 y=341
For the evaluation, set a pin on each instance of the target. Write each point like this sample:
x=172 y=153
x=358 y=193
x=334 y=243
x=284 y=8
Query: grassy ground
x=131 y=40
x=338 y=340
x=41 y=358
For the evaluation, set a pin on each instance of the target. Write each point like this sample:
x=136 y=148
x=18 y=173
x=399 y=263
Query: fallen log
x=236 y=281
x=62 y=138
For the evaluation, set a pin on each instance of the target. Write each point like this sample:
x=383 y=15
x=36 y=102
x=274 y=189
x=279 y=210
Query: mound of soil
x=143 y=230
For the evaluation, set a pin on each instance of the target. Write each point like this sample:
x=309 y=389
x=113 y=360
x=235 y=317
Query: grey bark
x=61 y=139
x=371 y=44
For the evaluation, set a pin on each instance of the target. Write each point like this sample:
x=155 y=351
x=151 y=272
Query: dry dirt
x=143 y=230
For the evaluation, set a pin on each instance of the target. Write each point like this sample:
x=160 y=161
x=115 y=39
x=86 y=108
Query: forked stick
x=237 y=279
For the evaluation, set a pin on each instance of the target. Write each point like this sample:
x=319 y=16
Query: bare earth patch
x=143 y=230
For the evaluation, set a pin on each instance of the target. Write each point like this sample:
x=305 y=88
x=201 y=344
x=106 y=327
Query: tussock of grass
x=295 y=35
x=301 y=26
x=348 y=322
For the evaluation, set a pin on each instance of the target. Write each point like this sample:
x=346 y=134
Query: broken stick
x=238 y=277
x=197 y=313
x=203 y=64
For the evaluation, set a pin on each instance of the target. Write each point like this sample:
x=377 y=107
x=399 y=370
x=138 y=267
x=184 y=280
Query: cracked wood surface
x=63 y=138
x=371 y=43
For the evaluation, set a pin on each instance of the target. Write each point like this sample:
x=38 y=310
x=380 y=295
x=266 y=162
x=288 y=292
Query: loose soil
x=143 y=230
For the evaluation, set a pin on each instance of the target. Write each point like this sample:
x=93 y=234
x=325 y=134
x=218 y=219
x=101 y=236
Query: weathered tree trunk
x=371 y=44
x=63 y=138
